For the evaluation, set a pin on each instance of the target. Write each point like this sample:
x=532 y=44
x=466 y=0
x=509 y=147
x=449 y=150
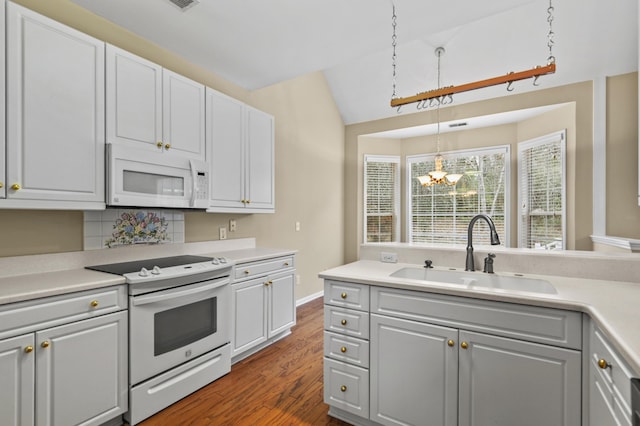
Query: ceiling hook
x=510 y=84
x=535 y=80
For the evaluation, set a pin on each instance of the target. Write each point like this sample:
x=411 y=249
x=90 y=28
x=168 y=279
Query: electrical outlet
x=297 y=226
x=297 y=279
x=223 y=233
x=388 y=257
x=232 y=225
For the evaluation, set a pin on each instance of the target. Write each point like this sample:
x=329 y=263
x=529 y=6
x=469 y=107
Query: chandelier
x=439 y=176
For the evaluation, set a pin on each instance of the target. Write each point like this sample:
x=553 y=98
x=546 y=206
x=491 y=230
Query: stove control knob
x=155 y=270
x=222 y=260
x=143 y=272
x=215 y=261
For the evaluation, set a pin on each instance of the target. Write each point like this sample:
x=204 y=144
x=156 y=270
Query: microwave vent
x=184 y=4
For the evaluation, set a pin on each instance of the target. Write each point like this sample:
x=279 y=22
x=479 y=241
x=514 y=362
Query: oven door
x=149 y=178
x=170 y=327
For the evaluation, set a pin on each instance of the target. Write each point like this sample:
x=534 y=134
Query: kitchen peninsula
x=400 y=350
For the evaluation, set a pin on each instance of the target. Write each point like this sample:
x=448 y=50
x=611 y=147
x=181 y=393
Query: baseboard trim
x=309 y=298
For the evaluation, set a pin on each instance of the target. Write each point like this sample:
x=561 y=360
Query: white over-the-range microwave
x=147 y=178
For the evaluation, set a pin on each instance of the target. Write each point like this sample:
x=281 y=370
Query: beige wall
x=577 y=118
x=623 y=213
x=309 y=165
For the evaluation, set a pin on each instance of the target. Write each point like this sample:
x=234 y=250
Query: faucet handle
x=488 y=263
x=427 y=264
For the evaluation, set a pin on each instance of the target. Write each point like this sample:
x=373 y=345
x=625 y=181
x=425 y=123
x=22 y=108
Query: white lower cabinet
x=17 y=392
x=263 y=301
x=346 y=350
x=609 y=383
x=512 y=382
x=414 y=373
x=68 y=374
x=447 y=360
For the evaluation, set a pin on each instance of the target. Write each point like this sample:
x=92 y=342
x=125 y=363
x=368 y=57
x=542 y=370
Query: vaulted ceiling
x=257 y=43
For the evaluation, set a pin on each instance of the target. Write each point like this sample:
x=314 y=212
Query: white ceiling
x=256 y=43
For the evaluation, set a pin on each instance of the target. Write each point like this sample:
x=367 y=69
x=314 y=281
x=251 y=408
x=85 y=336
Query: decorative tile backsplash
x=118 y=227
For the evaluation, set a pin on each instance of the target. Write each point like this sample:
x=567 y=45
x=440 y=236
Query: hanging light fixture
x=439 y=176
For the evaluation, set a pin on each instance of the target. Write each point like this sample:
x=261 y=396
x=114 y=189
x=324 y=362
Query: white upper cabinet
x=225 y=150
x=259 y=160
x=55 y=114
x=3 y=176
x=240 y=152
x=151 y=106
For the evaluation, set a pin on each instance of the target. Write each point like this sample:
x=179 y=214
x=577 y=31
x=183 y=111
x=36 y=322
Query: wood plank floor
x=281 y=385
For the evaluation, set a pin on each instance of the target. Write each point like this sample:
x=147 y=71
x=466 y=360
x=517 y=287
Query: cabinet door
x=183 y=115
x=134 y=99
x=413 y=373
x=507 y=382
x=17 y=367
x=249 y=323
x=282 y=303
x=225 y=150
x=55 y=110
x=260 y=164
x=3 y=175
x=601 y=403
x=82 y=371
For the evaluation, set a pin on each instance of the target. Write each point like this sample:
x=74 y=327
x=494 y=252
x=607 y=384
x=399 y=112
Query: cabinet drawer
x=24 y=317
x=346 y=321
x=346 y=387
x=536 y=324
x=616 y=376
x=347 y=295
x=347 y=349
x=252 y=269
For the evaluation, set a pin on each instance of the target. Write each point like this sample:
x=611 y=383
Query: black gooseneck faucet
x=494 y=238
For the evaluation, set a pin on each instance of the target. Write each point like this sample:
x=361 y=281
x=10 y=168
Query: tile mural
x=118 y=227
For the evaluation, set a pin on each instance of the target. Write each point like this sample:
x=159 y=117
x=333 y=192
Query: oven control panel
x=167 y=273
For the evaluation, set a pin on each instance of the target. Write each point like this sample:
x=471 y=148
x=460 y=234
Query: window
x=541 y=194
x=381 y=198
x=441 y=213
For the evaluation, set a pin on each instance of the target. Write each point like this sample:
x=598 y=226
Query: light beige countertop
x=18 y=288
x=43 y=283
x=613 y=305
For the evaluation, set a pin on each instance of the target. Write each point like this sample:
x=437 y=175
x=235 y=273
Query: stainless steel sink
x=477 y=280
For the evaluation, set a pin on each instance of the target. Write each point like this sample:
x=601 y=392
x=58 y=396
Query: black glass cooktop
x=135 y=266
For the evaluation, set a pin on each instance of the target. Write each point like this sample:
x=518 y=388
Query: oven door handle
x=166 y=296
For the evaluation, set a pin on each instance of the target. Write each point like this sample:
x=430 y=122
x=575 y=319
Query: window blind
x=441 y=213
x=541 y=181
x=382 y=198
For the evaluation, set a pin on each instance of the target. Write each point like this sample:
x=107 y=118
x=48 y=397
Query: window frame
x=497 y=149
x=372 y=158
x=522 y=146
